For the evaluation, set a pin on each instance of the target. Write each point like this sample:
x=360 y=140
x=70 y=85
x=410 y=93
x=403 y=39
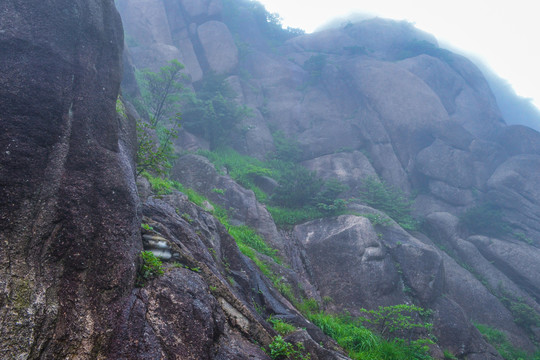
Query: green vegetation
x=146 y=227
x=211 y=112
x=500 y=342
x=287 y=218
x=300 y=196
x=243 y=169
x=161 y=91
x=241 y=16
x=448 y=355
x=362 y=343
x=314 y=66
x=485 y=219
x=389 y=200
x=524 y=315
x=151 y=267
x=152 y=155
x=399 y=321
x=281 y=326
x=279 y=349
x=160 y=100
x=246 y=236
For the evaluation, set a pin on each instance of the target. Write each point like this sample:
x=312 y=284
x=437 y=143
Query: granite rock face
x=374 y=99
x=69 y=202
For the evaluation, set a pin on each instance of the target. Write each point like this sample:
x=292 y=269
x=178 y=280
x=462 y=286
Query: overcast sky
x=504 y=34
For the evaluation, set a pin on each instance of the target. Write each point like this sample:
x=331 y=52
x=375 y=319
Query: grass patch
x=246 y=236
x=500 y=342
x=360 y=342
x=282 y=327
x=287 y=218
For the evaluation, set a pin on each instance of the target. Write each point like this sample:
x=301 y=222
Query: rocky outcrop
x=241 y=204
x=374 y=99
x=204 y=306
x=68 y=214
x=189 y=31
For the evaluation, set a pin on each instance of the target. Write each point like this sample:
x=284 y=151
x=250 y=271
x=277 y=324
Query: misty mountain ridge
x=514 y=108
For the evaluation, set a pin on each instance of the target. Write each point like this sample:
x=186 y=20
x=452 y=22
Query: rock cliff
x=69 y=205
x=376 y=99
x=380 y=98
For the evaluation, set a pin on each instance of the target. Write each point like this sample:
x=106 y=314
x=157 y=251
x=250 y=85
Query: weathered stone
x=442 y=162
x=218 y=46
x=349 y=168
x=69 y=203
x=347 y=248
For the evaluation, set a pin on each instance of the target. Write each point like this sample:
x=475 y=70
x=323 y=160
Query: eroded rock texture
x=68 y=208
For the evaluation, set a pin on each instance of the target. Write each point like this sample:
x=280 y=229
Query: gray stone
x=218 y=46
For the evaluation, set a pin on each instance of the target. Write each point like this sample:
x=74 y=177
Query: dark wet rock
x=69 y=203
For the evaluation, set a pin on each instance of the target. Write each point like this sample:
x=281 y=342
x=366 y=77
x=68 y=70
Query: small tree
x=388 y=199
x=155 y=150
x=161 y=91
x=402 y=321
x=212 y=112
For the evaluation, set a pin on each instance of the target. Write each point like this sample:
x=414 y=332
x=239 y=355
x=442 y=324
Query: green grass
x=500 y=342
x=316 y=198
x=360 y=342
x=287 y=218
x=282 y=327
x=243 y=169
x=246 y=236
x=162 y=186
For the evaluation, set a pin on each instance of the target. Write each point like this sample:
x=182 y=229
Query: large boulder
x=69 y=205
x=348 y=167
x=218 y=45
x=348 y=248
x=514 y=188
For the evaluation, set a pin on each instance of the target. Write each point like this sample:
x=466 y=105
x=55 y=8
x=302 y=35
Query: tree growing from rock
x=161 y=91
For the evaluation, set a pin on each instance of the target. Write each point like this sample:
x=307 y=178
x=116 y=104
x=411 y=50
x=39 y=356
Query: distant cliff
x=376 y=97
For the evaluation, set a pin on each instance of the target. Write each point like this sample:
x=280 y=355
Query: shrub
x=161 y=91
x=398 y=321
x=279 y=349
x=485 y=219
x=500 y=342
x=287 y=149
x=298 y=187
x=389 y=200
x=151 y=267
x=155 y=155
x=212 y=112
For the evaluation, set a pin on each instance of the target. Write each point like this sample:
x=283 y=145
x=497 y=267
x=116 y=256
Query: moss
x=21 y=296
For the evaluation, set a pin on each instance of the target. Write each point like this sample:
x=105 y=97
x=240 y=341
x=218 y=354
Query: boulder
x=444 y=163
x=348 y=167
x=513 y=187
x=218 y=45
x=348 y=248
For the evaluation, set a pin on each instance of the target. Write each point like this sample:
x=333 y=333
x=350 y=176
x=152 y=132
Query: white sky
x=504 y=34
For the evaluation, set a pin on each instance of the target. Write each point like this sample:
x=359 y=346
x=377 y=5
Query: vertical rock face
x=68 y=213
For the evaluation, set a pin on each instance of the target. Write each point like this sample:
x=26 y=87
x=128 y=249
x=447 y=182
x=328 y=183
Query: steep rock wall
x=69 y=224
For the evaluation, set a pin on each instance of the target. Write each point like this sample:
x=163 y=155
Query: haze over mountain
x=320 y=183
